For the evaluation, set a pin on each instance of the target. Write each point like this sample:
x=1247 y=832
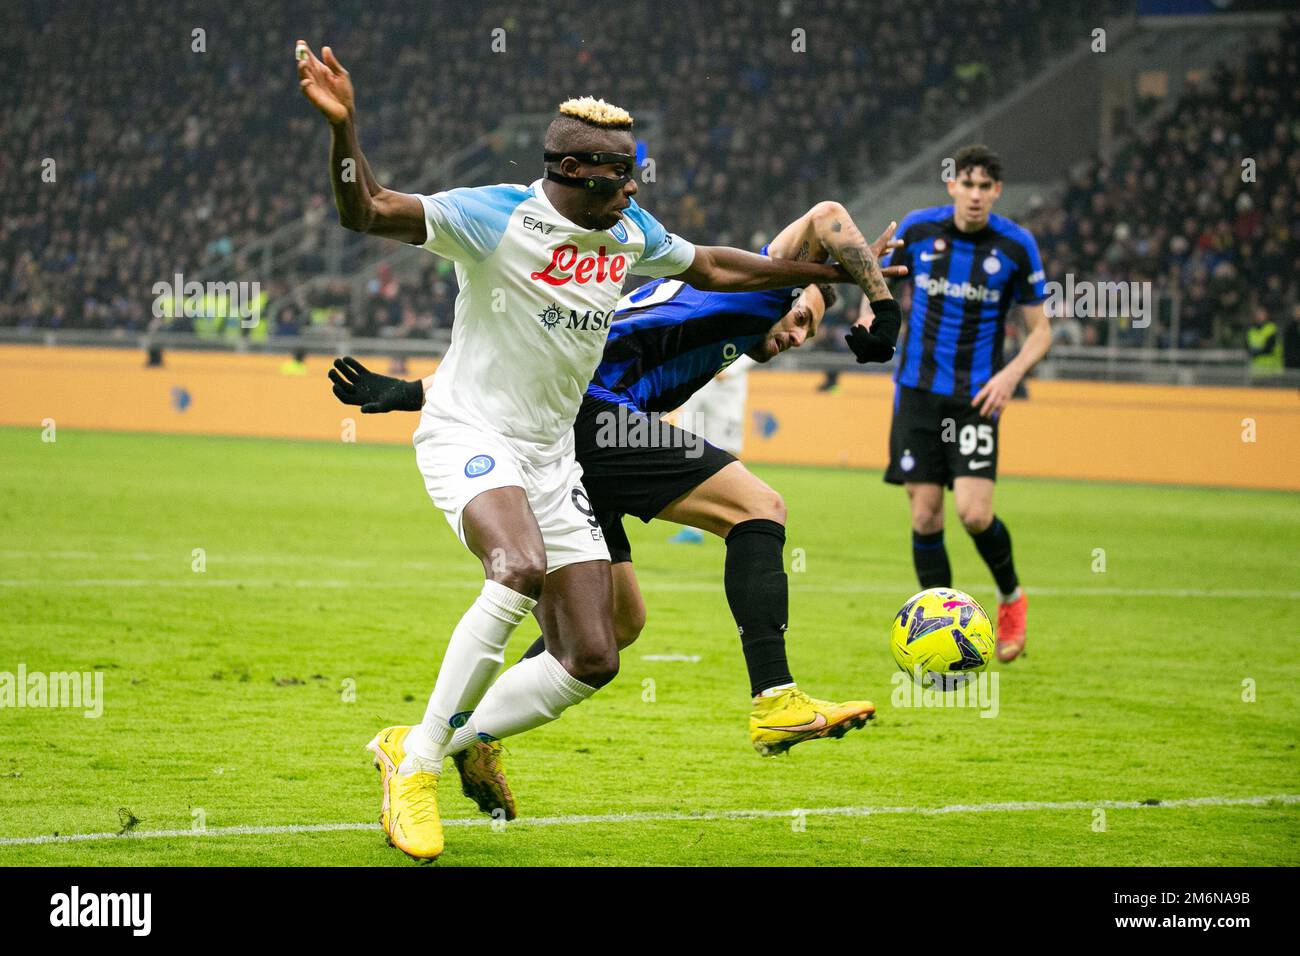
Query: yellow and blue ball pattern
x=942 y=638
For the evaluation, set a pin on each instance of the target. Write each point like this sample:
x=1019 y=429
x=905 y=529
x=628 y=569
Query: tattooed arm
x=723 y=269
x=827 y=230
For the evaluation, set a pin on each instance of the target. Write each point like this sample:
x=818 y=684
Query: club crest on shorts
x=479 y=465
x=907 y=462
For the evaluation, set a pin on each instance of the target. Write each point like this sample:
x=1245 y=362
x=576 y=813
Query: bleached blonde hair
x=596 y=112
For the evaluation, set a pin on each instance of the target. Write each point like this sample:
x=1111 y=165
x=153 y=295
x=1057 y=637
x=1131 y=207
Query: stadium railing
x=1228 y=367
x=466 y=166
x=308 y=255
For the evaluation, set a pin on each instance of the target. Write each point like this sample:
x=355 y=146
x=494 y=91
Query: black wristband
x=411 y=396
x=887 y=319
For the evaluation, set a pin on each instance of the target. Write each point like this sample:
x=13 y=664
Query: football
x=942 y=638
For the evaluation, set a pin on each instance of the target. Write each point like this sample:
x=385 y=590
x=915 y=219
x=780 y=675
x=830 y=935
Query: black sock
x=759 y=595
x=931 y=560
x=534 y=648
x=994 y=546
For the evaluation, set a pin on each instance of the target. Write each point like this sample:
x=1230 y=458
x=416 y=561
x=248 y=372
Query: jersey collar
x=562 y=220
x=983 y=232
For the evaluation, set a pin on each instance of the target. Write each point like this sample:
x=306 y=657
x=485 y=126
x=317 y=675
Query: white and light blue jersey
x=537 y=295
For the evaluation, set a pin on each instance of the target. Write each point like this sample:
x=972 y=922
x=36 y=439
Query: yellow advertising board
x=1232 y=437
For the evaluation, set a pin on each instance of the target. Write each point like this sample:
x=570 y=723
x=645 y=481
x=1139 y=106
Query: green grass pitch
x=227 y=691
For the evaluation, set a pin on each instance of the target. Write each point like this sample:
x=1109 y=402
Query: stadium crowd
x=180 y=139
x=1205 y=205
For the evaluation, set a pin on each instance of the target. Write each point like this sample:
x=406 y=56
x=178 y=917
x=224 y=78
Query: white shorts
x=460 y=462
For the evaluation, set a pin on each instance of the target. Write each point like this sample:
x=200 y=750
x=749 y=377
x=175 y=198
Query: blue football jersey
x=963 y=284
x=668 y=340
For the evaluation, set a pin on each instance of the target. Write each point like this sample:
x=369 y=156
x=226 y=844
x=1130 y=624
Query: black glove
x=354 y=384
x=877 y=345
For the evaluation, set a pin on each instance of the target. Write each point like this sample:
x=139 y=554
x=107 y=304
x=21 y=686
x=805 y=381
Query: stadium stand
x=1175 y=209
x=192 y=147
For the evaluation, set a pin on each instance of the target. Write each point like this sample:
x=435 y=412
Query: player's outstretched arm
x=828 y=229
x=835 y=232
x=827 y=225
x=363 y=204
x=724 y=269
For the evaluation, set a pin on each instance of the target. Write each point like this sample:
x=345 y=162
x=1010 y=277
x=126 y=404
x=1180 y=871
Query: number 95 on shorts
x=936 y=438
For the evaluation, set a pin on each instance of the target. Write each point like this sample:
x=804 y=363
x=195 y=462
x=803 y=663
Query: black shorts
x=936 y=438
x=635 y=464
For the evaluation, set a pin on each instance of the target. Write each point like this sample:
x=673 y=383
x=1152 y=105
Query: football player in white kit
x=540 y=269
x=717 y=411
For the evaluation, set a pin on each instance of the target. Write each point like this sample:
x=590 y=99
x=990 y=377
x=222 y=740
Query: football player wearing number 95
x=495 y=439
x=967 y=267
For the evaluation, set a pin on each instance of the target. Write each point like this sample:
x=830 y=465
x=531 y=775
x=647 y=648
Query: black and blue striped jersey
x=668 y=340
x=963 y=284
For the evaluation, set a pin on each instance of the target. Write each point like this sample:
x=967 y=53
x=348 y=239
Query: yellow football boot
x=790 y=717
x=409 y=813
x=483 y=779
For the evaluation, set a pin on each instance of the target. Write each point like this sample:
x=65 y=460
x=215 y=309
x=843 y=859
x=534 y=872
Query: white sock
x=533 y=692
x=473 y=659
x=773 y=691
x=1009 y=598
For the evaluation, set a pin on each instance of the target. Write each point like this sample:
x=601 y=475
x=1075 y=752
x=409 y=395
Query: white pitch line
x=683 y=816
x=651 y=579
x=651 y=582
x=209 y=832
x=229 y=560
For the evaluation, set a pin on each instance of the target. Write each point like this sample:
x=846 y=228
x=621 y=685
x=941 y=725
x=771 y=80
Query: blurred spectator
x=1291 y=339
x=296 y=364
x=1265 y=343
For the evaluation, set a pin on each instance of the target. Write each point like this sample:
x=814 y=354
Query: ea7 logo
x=536 y=225
x=103 y=909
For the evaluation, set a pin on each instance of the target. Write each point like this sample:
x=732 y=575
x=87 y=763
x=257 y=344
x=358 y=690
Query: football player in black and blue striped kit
x=667 y=341
x=967 y=268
